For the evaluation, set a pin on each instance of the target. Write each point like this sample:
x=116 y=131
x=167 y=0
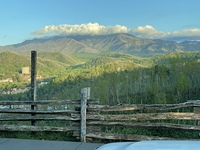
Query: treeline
x=171 y=78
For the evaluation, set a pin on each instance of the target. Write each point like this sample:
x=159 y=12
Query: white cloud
x=90 y=28
x=187 y=32
x=141 y=31
x=148 y=32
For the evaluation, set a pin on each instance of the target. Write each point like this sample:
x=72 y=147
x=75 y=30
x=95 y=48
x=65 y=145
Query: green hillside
x=59 y=58
x=120 y=78
x=132 y=83
x=48 y=64
x=11 y=63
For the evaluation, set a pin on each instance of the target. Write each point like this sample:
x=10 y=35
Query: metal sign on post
x=33 y=80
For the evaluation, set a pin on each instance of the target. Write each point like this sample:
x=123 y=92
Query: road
x=21 y=144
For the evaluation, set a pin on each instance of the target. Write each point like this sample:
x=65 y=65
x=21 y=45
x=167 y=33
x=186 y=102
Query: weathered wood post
x=197 y=111
x=33 y=80
x=85 y=92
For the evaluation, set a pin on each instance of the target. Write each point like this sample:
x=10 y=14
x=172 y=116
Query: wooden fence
x=48 y=111
x=134 y=121
x=89 y=120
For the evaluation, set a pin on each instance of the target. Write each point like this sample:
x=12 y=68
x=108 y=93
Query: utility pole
x=33 y=80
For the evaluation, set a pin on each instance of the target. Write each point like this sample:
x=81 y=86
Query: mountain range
x=89 y=44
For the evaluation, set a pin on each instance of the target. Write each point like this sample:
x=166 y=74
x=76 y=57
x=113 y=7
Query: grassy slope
x=11 y=62
x=48 y=63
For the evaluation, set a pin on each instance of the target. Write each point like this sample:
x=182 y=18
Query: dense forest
x=117 y=78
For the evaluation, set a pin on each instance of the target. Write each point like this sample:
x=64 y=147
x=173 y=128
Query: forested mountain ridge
x=121 y=78
x=88 y=44
x=130 y=44
x=51 y=64
x=48 y=63
x=64 y=45
x=59 y=66
x=174 y=81
x=191 y=45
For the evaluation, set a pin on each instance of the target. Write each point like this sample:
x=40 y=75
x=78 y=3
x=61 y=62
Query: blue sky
x=164 y=19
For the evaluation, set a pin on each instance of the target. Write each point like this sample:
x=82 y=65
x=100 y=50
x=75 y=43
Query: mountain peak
x=119 y=42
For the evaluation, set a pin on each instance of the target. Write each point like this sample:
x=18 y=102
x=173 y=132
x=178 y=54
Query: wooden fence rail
x=12 y=113
x=47 y=102
x=87 y=119
x=183 y=117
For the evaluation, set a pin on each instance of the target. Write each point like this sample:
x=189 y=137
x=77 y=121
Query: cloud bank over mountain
x=82 y=29
x=147 y=31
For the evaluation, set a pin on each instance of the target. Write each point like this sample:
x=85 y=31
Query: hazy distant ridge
x=125 y=43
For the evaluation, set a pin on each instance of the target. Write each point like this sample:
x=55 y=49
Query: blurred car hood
x=153 y=145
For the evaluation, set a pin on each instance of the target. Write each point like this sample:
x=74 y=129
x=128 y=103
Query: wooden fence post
x=33 y=80
x=197 y=111
x=85 y=92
